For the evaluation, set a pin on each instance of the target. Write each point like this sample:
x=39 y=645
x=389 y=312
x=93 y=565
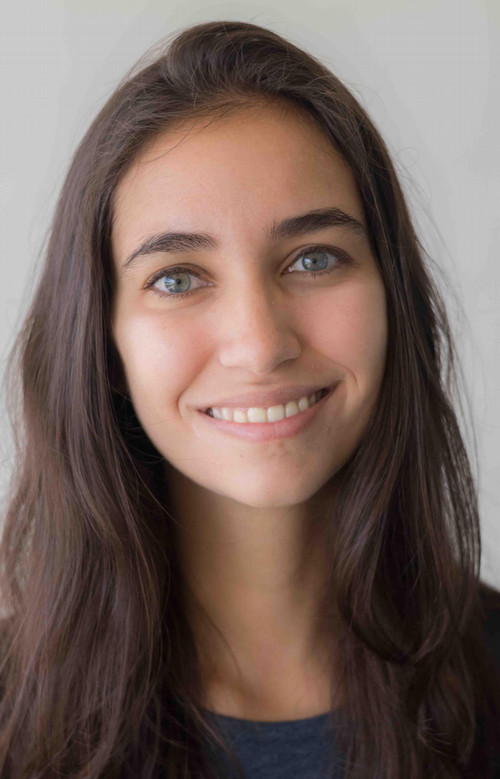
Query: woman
x=243 y=517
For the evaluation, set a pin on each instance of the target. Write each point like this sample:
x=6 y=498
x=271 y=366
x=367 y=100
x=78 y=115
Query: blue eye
x=315 y=260
x=175 y=282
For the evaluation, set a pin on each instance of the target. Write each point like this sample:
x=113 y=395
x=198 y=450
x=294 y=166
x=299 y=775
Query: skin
x=251 y=553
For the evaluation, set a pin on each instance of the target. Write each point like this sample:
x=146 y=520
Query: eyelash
x=342 y=258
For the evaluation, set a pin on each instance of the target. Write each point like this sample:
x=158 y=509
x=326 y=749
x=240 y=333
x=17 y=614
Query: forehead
x=246 y=169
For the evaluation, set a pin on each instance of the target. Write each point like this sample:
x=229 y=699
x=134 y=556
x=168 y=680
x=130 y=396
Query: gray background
x=428 y=73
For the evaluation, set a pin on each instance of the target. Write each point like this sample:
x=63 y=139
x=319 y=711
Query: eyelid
x=341 y=255
x=171 y=269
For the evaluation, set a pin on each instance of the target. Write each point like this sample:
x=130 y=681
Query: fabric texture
x=295 y=749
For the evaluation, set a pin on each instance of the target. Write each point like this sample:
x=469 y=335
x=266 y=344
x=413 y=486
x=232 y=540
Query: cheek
x=159 y=360
x=350 y=327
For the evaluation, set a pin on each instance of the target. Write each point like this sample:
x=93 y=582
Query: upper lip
x=278 y=396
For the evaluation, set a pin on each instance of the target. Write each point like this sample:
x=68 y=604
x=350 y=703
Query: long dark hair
x=99 y=671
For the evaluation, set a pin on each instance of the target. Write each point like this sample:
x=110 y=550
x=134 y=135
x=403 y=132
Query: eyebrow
x=291 y=227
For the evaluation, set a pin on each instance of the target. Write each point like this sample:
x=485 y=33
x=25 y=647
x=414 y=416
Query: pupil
x=173 y=283
x=313 y=263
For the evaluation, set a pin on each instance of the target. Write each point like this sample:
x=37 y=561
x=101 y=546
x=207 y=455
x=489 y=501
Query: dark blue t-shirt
x=295 y=749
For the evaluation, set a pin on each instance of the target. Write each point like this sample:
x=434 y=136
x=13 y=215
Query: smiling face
x=253 y=318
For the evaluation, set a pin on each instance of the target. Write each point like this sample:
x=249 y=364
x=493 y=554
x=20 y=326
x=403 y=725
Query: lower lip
x=267 y=431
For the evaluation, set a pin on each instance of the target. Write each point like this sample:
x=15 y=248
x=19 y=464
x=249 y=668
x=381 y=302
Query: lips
x=266 y=431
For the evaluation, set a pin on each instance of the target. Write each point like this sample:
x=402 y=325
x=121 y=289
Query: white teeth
x=291 y=408
x=255 y=415
x=271 y=414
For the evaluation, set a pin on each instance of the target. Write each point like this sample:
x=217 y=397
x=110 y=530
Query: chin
x=271 y=494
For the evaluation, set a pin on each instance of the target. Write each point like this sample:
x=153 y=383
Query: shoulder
x=489 y=616
x=483 y=655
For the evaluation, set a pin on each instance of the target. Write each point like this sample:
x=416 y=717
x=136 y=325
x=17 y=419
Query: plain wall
x=427 y=71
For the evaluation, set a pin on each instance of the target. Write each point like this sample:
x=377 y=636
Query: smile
x=284 y=427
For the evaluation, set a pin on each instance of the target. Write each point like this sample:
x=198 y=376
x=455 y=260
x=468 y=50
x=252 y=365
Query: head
x=249 y=143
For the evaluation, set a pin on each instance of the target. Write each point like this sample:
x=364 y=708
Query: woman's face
x=255 y=319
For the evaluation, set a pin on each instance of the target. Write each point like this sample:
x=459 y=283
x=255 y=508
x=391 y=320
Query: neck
x=256 y=581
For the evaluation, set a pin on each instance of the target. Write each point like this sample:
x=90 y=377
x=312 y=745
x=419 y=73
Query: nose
x=256 y=332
